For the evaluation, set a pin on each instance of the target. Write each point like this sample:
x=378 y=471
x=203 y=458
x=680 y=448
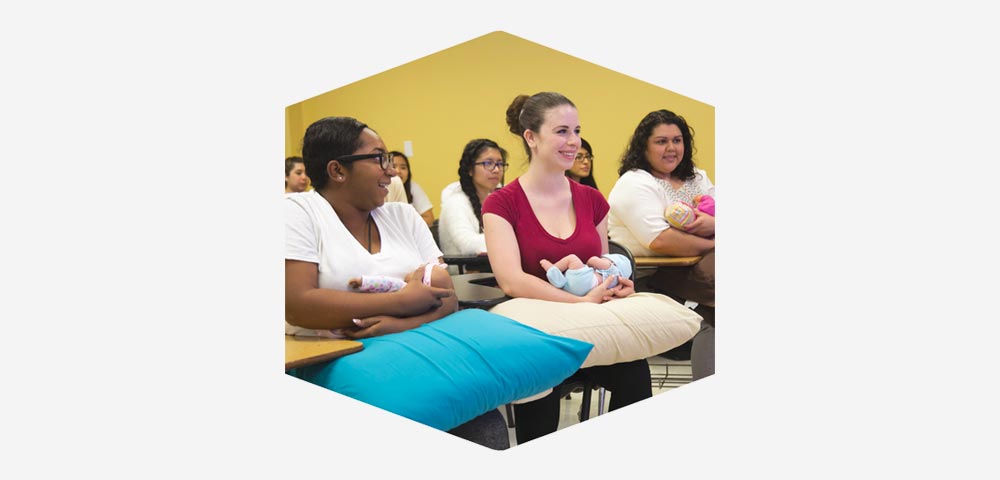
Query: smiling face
x=558 y=139
x=296 y=180
x=487 y=180
x=402 y=168
x=367 y=181
x=582 y=164
x=664 y=150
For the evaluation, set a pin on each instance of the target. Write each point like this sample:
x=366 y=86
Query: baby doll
x=681 y=214
x=385 y=283
x=573 y=276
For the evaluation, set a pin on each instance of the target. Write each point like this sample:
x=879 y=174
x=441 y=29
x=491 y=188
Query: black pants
x=628 y=383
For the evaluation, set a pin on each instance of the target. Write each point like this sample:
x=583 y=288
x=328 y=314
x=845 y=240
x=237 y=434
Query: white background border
x=143 y=258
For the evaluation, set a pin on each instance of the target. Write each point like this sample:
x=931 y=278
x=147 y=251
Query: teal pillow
x=450 y=371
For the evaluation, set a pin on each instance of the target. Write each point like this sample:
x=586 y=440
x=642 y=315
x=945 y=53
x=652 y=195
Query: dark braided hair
x=635 y=154
x=470 y=153
x=528 y=113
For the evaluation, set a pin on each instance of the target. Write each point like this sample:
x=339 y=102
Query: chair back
x=434 y=232
x=615 y=247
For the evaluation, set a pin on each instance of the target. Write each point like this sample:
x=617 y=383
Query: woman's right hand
x=602 y=291
x=416 y=298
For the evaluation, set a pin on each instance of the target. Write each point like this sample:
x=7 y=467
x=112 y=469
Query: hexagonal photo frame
x=429 y=108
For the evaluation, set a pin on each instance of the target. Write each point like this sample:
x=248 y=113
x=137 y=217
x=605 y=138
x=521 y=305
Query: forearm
x=323 y=309
x=675 y=243
x=523 y=285
x=428 y=217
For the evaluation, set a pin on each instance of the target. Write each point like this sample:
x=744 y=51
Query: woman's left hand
x=624 y=288
x=377 y=325
x=702 y=226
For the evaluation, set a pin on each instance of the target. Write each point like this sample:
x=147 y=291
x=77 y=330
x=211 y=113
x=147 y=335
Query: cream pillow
x=640 y=326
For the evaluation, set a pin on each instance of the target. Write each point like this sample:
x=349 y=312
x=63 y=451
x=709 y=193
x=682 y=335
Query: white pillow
x=640 y=326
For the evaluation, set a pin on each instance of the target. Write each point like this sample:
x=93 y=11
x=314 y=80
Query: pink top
x=534 y=243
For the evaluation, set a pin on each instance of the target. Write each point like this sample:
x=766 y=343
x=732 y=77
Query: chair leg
x=600 y=400
x=510 y=416
x=588 y=388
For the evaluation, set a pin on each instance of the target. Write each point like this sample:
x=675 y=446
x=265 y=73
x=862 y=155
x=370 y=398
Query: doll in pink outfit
x=681 y=214
x=385 y=283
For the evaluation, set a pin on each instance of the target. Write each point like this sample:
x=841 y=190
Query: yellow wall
x=442 y=101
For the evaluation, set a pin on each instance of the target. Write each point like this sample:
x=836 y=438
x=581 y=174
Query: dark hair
x=528 y=113
x=289 y=165
x=589 y=179
x=409 y=176
x=327 y=139
x=635 y=154
x=470 y=153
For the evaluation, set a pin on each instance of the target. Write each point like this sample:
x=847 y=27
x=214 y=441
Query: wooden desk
x=302 y=351
x=641 y=262
x=477 y=290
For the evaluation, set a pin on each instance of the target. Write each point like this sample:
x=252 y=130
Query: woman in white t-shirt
x=343 y=229
x=414 y=194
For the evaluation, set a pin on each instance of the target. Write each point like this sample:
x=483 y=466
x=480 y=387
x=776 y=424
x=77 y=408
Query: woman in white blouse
x=657 y=170
x=414 y=194
x=480 y=172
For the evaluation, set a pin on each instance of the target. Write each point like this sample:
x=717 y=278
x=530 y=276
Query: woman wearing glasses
x=480 y=172
x=541 y=215
x=583 y=166
x=343 y=229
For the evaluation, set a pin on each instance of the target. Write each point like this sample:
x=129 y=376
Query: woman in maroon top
x=545 y=215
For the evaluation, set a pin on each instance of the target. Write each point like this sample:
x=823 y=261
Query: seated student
x=414 y=194
x=656 y=171
x=343 y=229
x=295 y=175
x=578 y=278
x=543 y=214
x=583 y=166
x=480 y=172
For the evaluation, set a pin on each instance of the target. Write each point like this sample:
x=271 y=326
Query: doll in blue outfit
x=573 y=276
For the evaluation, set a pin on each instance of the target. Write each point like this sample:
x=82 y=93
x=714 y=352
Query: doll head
x=679 y=215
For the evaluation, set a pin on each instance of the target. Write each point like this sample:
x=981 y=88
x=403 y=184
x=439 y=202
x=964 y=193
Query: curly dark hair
x=589 y=179
x=327 y=139
x=528 y=113
x=406 y=185
x=470 y=153
x=635 y=154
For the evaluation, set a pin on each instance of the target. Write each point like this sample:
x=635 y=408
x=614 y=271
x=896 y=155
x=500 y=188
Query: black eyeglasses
x=489 y=165
x=384 y=159
x=581 y=157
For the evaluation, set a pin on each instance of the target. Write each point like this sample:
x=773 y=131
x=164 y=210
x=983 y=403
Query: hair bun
x=514 y=114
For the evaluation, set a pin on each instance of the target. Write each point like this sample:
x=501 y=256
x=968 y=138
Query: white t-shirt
x=421 y=203
x=397 y=192
x=314 y=233
x=458 y=227
x=638 y=200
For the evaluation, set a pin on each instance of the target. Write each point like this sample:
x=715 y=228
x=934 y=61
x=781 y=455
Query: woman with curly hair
x=657 y=170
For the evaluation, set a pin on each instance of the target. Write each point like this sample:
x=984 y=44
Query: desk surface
x=477 y=290
x=666 y=261
x=302 y=351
